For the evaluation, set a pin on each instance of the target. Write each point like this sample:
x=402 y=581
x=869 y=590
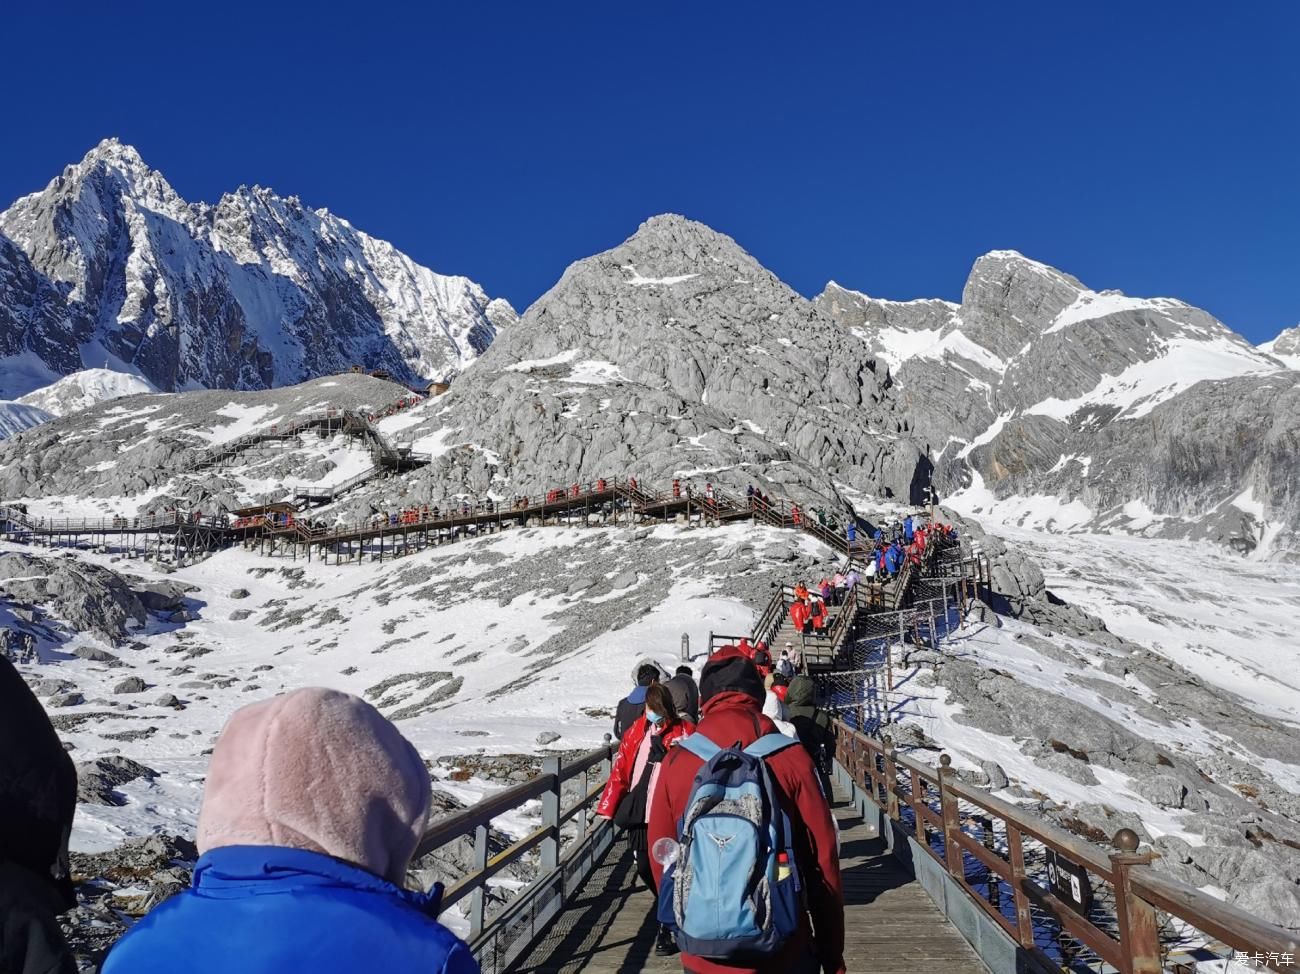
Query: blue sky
x=1152 y=147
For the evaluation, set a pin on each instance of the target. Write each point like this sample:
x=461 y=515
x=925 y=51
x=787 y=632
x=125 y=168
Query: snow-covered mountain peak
x=109 y=263
x=83 y=389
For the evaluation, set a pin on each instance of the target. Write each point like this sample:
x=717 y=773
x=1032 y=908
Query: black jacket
x=38 y=796
x=630 y=708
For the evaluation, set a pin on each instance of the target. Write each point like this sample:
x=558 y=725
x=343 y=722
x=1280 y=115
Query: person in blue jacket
x=851 y=531
x=893 y=559
x=313 y=808
x=909 y=530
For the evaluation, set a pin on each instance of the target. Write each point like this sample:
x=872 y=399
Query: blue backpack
x=734 y=891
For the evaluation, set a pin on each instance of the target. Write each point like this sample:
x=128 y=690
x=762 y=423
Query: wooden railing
x=1069 y=904
x=168 y=521
x=561 y=865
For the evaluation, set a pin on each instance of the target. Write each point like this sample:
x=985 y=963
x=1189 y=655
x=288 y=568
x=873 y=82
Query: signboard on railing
x=1069 y=882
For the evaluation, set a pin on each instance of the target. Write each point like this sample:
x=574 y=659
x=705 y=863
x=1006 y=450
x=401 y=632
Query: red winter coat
x=729 y=717
x=620 y=772
x=799 y=615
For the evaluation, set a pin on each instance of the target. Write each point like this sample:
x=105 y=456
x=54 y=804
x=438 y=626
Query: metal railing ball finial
x=945 y=762
x=1126 y=840
x=609 y=738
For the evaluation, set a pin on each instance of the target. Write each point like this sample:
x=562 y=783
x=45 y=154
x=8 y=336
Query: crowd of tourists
x=691 y=760
x=315 y=803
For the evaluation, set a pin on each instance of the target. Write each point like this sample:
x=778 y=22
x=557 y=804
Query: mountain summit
x=108 y=265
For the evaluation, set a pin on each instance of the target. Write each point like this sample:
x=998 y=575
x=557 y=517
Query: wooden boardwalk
x=893 y=927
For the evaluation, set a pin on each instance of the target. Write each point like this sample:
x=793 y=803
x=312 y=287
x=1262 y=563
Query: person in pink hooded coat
x=313 y=808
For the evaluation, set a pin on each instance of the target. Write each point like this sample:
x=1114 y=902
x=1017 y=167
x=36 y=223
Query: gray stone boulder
x=239 y=593
x=547 y=737
x=83 y=596
x=163 y=595
x=73 y=699
x=169 y=700
x=98 y=780
x=96 y=655
x=997 y=778
x=132 y=684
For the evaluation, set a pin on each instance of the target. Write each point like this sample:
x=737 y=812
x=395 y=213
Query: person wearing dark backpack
x=758 y=815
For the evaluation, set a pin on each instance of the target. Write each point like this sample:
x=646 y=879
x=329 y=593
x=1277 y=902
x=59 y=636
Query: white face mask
x=653 y=717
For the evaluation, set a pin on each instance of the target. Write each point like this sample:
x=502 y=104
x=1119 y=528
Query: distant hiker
x=762 y=660
x=813 y=724
x=908 y=529
x=631 y=707
x=38 y=798
x=708 y=492
x=804 y=876
x=313 y=807
x=794 y=513
x=633 y=779
x=821 y=619
x=677 y=489
x=851 y=532
x=825 y=589
x=801 y=592
x=785 y=665
x=686 y=695
x=749 y=495
x=800 y=617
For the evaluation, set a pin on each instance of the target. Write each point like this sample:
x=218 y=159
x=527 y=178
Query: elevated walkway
x=892 y=926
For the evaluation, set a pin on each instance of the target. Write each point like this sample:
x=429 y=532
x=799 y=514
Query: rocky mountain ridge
x=1083 y=409
x=108 y=265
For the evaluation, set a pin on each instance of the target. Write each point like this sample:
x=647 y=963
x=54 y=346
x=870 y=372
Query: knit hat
x=729 y=669
x=319 y=770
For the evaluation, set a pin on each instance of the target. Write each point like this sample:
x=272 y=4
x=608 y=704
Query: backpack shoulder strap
x=699 y=745
x=769 y=744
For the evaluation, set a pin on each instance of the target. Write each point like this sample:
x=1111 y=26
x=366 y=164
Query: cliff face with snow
x=108 y=266
x=1044 y=401
x=675 y=354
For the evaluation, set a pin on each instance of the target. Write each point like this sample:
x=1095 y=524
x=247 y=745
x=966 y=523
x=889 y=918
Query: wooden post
x=477 y=898
x=1139 y=934
x=917 y=800
x=551 y=816
x=891 y=778
x=1024 y=918
x=951 y=821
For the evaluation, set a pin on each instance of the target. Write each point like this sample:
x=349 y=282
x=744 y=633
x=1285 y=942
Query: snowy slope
x=18 y=416
x=109 y=263
x=86 y=388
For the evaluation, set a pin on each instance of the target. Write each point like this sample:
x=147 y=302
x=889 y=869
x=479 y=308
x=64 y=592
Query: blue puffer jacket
x=268 y=910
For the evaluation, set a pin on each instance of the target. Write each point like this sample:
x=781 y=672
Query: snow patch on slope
x=17 y=416
x=1143 y=386
x=86 y=388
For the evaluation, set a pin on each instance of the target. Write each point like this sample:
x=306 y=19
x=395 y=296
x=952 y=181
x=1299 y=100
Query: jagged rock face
x=1036 y=385
x=673 y=354
x=259 y=290
x=1285 y=347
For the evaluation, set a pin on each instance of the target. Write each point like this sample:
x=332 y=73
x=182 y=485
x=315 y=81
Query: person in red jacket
x=633 y=781
x=732 y=695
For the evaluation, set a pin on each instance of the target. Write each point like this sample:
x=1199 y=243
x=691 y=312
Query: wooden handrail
x=1139 y=889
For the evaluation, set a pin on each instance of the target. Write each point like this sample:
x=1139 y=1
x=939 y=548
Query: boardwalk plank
x=893 y=927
